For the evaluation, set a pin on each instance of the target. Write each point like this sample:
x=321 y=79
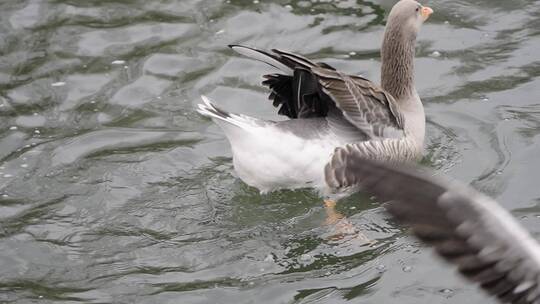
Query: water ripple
x=114 y=190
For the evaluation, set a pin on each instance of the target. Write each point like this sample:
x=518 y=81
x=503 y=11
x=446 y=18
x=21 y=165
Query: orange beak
x=426 y=11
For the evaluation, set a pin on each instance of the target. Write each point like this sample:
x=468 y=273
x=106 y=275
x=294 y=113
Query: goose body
x=329 y=109
x=278 y=156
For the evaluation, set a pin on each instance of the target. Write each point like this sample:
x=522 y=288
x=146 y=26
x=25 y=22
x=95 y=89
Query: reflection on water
x=113 y=189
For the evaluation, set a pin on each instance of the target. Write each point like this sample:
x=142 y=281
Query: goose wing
x=468 y=229
x=309 y=89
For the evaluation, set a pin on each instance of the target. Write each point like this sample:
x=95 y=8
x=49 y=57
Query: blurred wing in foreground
x=466 y=228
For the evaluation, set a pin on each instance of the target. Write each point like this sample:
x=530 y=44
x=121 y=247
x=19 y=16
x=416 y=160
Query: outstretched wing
x=466 y=228
x=365 y=105
x=309 y=89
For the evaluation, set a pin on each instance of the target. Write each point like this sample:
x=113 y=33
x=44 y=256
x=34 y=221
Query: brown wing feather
x=365 y=105
x=318 y=90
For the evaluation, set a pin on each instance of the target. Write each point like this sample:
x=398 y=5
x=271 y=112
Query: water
x=113 y=189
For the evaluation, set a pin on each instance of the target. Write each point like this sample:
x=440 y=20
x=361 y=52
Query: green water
x=114 y=190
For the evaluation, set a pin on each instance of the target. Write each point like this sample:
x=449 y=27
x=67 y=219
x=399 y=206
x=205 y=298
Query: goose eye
x=418 y=9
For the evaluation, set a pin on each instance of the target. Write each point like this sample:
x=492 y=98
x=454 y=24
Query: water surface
x=113 y=189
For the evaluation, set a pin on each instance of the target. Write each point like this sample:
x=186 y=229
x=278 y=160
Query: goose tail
x=226 y=119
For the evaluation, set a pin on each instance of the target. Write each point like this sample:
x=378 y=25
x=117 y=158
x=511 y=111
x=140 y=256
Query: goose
x=329 y=109
x=467 y=228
